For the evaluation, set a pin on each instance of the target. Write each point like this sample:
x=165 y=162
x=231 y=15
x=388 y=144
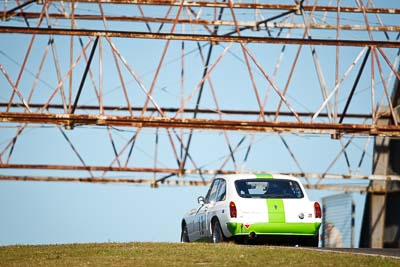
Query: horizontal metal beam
x=180 y=172
x=198 y=37
x=243 y=5
x=349 y=187
x=202 y=124
x=382 y=115
x=153 y=183
x=90 y=168
x=269 y=25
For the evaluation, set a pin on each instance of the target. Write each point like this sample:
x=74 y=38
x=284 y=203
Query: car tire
x=184 y=234
x=217 y=234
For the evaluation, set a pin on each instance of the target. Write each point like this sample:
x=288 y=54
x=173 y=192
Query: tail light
x=232 y=209
x=317 y=210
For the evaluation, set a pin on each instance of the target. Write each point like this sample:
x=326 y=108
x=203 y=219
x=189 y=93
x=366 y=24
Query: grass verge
x=177 y=254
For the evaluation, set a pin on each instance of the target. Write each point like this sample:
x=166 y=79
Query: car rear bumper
x=292 y=229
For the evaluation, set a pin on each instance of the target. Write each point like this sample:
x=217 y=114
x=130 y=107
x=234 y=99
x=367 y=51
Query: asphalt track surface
x=385 y=252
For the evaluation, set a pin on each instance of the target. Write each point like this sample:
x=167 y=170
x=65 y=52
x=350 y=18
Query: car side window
x=212 y=193
x=296 y=190
x=221 y=191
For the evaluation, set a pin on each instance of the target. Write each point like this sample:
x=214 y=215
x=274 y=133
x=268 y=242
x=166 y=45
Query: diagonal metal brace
x=9 y=13
x=355 y=85
x=85 y=74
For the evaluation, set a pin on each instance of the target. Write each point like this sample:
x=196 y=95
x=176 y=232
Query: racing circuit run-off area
x=175 y=254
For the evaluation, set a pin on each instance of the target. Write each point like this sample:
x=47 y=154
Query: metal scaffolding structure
x=175 y=92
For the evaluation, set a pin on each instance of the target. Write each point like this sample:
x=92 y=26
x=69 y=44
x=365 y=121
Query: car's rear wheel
x=184 y=234
x=217 y=234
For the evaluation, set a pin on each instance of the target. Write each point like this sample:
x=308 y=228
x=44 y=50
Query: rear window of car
x=268 y=188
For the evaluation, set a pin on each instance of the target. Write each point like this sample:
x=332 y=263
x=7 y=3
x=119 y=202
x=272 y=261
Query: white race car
x=249 y=208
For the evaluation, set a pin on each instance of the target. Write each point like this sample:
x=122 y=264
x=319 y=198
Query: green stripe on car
x=276 y=208
x=264 y=175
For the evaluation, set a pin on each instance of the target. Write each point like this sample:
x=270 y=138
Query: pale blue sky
x=49 y=213
x=56 y=213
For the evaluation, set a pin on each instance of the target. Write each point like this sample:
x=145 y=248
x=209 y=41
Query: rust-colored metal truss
x=243 y=5
x=199 y=37
x=69 y=120
x=246 y=40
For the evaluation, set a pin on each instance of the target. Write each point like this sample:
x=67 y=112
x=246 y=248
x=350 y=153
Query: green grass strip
x=177 y=254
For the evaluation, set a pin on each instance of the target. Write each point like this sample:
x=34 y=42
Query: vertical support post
x=376 y=200
x=323 y=232
x=378 y=214
x=381 y=219
x=353 y=219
